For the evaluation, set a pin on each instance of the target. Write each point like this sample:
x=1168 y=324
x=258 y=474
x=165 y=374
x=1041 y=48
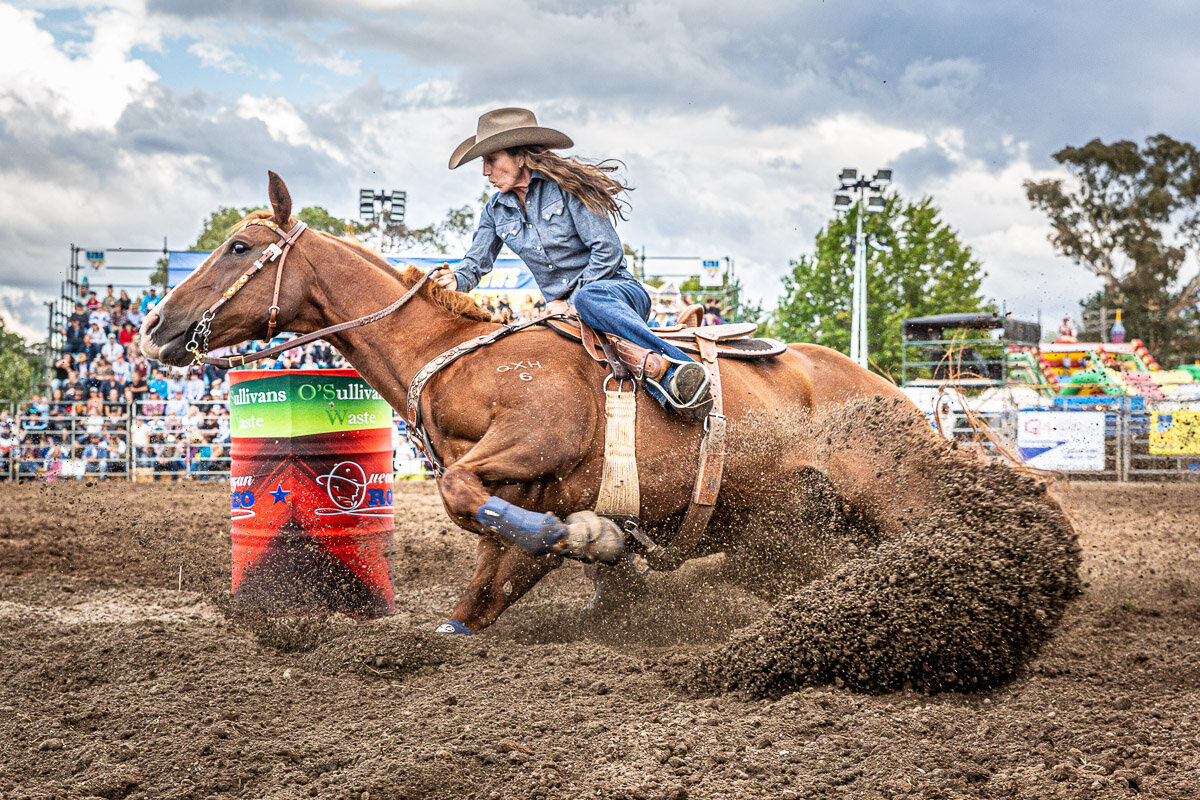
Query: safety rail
x=1131 y=450
x=160 y=440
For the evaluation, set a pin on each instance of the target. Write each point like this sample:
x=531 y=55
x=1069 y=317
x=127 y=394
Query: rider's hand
x=444 y=277
x=557 y=307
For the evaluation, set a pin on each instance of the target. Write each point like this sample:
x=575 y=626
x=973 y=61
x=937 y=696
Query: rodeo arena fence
x=1098 y=438
x=138 y=441
x=1099 y=410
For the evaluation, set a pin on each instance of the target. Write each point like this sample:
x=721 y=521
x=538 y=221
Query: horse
x=519 y=424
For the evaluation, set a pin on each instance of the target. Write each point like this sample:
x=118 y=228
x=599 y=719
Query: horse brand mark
x=521 y=365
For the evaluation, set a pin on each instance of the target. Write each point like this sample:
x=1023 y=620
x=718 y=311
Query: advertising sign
x=311 y=484
x=1062 y=440
x=1175 y=433
x=710 y=274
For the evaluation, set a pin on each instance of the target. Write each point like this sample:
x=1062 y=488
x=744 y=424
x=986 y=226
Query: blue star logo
x=280 y=494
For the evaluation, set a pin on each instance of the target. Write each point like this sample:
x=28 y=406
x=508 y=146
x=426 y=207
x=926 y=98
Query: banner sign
x=710 y=274
x=1061 y=440
x=507 y=275
x=1175 y=433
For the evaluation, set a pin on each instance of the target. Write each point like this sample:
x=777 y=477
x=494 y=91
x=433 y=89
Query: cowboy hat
x=506 y=127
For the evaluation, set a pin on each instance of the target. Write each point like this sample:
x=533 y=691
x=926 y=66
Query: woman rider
x=557 y=215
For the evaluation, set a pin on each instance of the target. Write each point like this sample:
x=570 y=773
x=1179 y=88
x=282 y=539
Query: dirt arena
x=121 y=677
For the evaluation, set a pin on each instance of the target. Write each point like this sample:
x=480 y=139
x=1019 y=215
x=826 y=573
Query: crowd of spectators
x=105 y=397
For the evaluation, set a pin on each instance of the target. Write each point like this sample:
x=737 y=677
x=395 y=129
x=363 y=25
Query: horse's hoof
x=590 y=537
x=453 y=628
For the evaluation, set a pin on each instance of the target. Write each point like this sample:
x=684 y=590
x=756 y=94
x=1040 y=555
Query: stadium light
x=843 y=200
x=366 y=204
x=396 y=211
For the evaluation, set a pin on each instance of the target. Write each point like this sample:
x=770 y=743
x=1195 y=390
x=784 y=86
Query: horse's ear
x=281 y=201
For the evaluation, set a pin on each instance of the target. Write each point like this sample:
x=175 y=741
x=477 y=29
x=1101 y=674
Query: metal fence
x=165 y=441
x=1127 y=437
x=140 y=441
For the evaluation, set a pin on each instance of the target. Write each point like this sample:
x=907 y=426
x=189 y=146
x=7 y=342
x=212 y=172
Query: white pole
x=858 y=337
x=862 y=306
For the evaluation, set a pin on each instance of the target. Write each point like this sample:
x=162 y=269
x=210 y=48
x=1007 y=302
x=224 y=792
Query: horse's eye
x=239 y=248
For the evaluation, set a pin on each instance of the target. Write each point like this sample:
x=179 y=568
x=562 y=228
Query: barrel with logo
x=310 y=493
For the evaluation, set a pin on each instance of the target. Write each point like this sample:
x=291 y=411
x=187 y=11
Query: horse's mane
x=455 y=302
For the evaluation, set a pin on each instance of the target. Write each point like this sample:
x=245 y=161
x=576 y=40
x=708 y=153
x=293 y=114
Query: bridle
x=198 y=343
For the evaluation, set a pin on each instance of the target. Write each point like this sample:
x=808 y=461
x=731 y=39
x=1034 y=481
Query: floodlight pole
x=850 y=181
x=391 y=206
x=858 y=321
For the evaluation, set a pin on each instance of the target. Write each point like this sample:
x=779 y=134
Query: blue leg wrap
x=533 y=532
x=454 y=628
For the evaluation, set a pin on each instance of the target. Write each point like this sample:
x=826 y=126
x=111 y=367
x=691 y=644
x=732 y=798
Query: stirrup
x=696 y=398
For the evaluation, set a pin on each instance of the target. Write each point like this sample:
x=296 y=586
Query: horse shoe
x=590 y=537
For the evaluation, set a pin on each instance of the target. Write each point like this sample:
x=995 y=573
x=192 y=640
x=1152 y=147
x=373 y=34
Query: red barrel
x=310 y=492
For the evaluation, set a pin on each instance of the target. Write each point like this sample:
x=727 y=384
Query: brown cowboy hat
x=503 y=128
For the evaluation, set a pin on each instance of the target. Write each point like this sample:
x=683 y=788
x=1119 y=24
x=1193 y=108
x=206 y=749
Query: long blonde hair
x=593 y=184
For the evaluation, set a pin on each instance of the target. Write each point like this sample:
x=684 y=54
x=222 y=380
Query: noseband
x=198 y=344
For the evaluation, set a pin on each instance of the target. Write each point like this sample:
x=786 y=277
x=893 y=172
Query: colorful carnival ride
x=989 y=352
x=1114 y=369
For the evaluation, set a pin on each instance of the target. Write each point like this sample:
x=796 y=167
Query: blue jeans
x=621 y=307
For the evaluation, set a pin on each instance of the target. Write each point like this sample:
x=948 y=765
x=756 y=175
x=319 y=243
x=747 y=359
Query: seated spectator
x=177 y=405
x=93 y=302
x=109 y=301
x=154 y=405
x=150 y=300
x=75 y=334
x=110 y=387
x=91 y=347
x=59 y=419
x=62 y=370
x=137 y=384
x=112 y=349
x=193 y=387
x=158 y=384
x=174 y=383
x=122 y=370
x=126 y=334
x=99 y=318
x=80 y=315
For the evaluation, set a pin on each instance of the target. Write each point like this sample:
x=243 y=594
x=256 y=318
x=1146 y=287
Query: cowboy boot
x=691 y=391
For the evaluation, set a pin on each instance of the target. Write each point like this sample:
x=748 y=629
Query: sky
x=126 y=122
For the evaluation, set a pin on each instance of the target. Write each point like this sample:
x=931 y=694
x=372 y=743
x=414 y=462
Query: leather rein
x=198 y=344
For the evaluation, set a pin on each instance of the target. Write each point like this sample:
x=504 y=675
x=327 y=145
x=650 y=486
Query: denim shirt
x=564 y=244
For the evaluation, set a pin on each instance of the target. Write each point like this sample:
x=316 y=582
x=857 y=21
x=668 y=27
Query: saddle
x=731 y=340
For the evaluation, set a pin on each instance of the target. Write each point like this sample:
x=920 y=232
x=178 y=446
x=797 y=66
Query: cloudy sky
x=128 y=121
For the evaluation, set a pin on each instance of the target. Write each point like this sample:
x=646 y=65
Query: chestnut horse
x=531 y=445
